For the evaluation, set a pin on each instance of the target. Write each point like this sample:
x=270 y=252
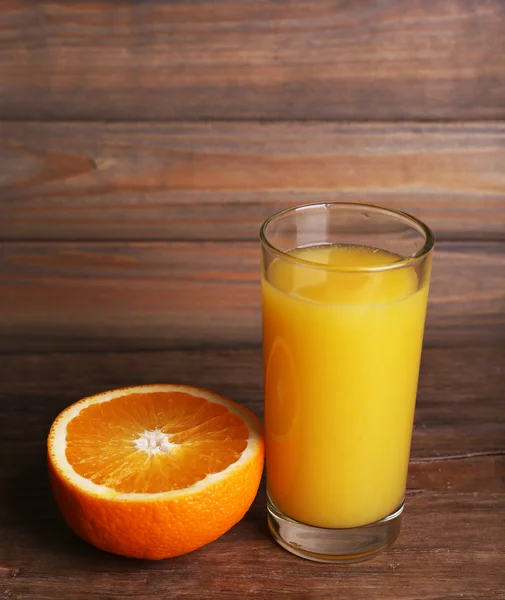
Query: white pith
x=57 y=443
x=154 y=442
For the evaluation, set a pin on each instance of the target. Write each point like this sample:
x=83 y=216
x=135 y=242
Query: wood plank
x=92 y=181
x=171 y=295
x=460 y=418
x=254 y=60
x=452 y=541
x=449 y=548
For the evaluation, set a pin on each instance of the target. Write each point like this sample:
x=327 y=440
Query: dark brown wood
x=89 y=181
x=452 y=541
x=164 y=295
x=460 y=414
x=252 y=60
x=450 y=548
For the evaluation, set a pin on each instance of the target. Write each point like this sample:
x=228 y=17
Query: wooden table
x=452 y=543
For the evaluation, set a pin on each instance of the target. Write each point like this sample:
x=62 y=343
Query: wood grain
x=91 y=181
x=460 y=417
x=433 y=559
x=60 y=296
x=452 y=541
x=254 y=60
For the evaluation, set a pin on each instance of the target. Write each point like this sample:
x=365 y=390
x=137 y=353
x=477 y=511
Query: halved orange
x=154 y=471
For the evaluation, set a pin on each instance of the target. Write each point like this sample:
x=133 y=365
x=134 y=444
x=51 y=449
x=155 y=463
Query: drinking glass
x=344 y=288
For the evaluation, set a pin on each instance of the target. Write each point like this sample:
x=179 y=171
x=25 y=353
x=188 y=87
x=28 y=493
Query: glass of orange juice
x=345 y=288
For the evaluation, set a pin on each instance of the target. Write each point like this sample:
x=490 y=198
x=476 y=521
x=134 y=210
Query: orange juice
x=342 y=345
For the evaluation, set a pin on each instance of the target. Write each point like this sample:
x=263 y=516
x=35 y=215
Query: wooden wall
x=143 y=143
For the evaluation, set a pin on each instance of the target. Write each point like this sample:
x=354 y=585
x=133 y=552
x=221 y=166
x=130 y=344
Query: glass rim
x=403 y=262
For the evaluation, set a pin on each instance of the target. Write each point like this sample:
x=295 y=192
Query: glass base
x=333 y=545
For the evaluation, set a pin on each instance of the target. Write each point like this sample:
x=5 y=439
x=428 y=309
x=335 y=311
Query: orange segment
x=154 y=471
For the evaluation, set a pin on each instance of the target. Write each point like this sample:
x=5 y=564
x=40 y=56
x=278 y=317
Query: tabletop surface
x=452 y=543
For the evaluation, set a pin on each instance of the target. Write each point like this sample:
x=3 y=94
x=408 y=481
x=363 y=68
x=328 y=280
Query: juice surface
x=341 y=356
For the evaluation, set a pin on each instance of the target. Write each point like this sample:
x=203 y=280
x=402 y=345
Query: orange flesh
x=101 y=441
